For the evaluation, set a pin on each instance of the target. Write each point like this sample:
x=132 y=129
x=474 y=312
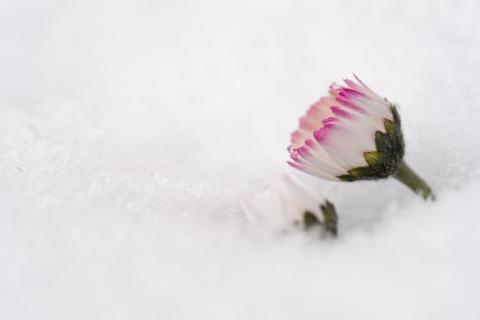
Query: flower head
x=350 y=134
x=353 y=134
x=287 y=202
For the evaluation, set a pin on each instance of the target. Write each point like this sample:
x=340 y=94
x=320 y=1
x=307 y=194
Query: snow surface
x=130 y=131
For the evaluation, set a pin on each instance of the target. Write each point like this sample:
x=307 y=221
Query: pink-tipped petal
x=341 y=113
x=295 y=165
x=359 y=81
x=310 y=143
x=350 y=93
x=351 y=84
x=296 y=158
x=305 y=124
x=303 y=151
x=329 y=120
x=296 y=136
x=322 y=134
x=349 y=104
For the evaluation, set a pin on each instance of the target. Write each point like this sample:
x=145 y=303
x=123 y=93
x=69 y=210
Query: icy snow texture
x=130 y=131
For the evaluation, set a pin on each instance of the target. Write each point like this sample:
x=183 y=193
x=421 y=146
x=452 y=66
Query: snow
x=130 y=132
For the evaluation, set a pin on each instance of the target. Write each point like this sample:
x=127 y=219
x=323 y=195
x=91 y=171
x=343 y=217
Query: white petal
x=282 y=203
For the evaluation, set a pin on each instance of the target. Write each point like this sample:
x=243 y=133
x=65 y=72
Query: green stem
x=409 y=178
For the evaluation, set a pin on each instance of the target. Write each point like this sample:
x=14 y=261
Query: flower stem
x=409 y=178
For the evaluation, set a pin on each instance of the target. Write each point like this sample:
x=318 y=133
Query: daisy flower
x=353 y=134
x=287 y=202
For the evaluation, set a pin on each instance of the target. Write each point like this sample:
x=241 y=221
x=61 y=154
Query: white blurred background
x=130 y=131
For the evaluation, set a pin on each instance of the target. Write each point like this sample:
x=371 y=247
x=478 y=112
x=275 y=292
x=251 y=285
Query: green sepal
x=363 y=172
x=390 y=149
x=310 y=220
x=330 y=218
x=373 y=158
x=396 y=115
x=394 y=131
x=346 y=178
x=383 y=143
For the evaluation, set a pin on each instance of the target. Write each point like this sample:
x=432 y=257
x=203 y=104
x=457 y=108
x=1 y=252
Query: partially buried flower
x=353 y=134
x=287 y=202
